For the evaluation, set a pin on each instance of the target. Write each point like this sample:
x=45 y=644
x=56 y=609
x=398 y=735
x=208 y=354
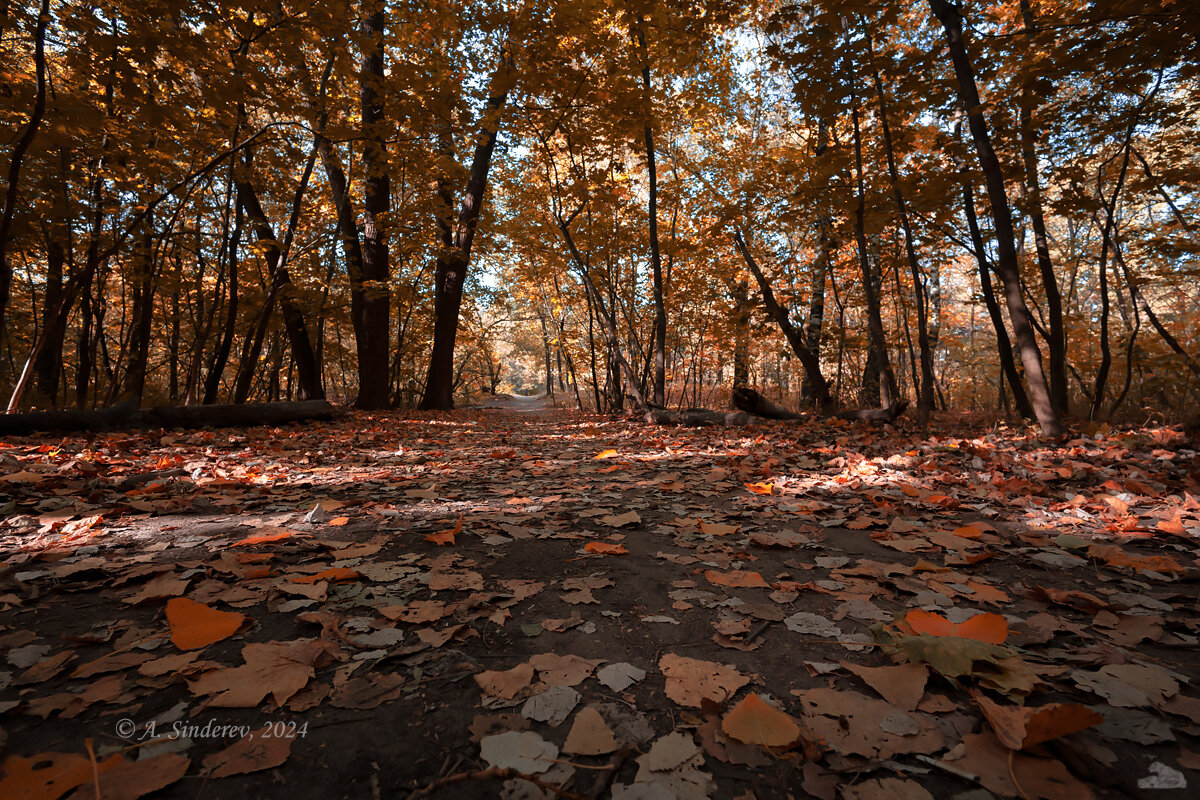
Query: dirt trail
x=427 y=598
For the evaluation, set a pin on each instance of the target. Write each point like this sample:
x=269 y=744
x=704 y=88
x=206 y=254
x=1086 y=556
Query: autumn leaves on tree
x=414 y=204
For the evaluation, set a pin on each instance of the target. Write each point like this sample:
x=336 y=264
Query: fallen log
x=881 y=415
x=701 y=418
x=117 y=417
x=752 y=402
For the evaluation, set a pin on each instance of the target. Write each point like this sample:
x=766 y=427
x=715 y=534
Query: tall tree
x=1006 y=253
x=453 y=260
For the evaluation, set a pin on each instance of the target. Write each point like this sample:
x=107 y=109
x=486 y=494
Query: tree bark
x=1056 y=338
x=1007 y=264
x=453 y=261
x=660 y=313
x=1003 y=344
x=878 y=362
x=375 y=304
x=812 y=367
x=279 y=288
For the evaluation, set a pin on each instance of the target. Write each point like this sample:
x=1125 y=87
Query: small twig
x=757 y=631
x=498 y=773
x=1013 y=775
x=95 y=767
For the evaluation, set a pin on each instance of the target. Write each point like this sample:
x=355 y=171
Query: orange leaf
x=737 y=579
x=195 y=625
x=990 y=628
x=754 y=722
x=1020 y=728
x=604 y=547
x=446 y=537
x=331 y=574
x=606 y=453
x=265 y=538
x=338 y=521
x=761 y=487
x=50 y=774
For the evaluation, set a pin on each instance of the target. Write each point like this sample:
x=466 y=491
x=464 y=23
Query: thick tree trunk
x=134 y=385
x=1007 y=264
x=48 y=365
x=452 y=262
x=375 y=304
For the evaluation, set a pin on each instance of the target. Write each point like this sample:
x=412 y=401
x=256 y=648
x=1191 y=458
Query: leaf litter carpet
x=493 y=604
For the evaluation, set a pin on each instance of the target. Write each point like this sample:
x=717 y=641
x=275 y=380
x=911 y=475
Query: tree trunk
x=925 y=391
x=660 y=313
x=741 y=333
x=18 y=155
x=1110 y=208
x=1003 y=344
x=812 y=367
x=452 y=262
x=1056 y=339
x=212 y=383
x=279 y=288
x=373 y=379
x=1007 y=265
x=878 y=360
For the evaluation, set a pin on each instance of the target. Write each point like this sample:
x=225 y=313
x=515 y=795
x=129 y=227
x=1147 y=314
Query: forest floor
x=393 y=606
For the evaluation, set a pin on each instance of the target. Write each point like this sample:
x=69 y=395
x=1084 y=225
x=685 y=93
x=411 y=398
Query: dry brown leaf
x=754 y=722
x=1039 y=778
x=691 y=680
x=590 y=735
x=902 y=685
x=505 y=684
x=252 y=753
x=277 y=668
x=129 y=780
x=1019 y=728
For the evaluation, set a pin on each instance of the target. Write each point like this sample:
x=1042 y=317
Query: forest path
x=425 y=596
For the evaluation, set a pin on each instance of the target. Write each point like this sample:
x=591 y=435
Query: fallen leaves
x=605 y=548
x=989 y=628
x=690 y=681
x=195 y=625
x=1019 y=728
x=737 y=579
x=254 y=752
x=589 y=735
x=279 y=669
x=754 y=722
x=446 y=537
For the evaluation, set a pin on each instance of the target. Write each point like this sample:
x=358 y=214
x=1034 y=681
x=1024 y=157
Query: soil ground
x=425 y=564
